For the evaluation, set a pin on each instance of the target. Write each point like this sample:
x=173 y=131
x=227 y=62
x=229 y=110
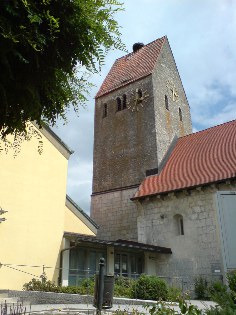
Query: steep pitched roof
x=132 y=67
x=198 y=159
x=79 y=212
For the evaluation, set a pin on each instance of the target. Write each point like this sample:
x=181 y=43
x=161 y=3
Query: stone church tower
x=140 y=109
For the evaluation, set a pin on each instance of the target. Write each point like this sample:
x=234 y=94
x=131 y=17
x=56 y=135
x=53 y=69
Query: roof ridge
x=193 y=133
x=163 y=37
x=131 y=53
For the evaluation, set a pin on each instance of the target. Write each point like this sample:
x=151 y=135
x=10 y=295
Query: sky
x=202 y=36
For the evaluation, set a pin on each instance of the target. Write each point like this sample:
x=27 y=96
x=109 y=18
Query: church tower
x=139 y=110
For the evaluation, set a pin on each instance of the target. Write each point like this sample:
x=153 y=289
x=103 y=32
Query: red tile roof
x=132 y=67
x=198 y=159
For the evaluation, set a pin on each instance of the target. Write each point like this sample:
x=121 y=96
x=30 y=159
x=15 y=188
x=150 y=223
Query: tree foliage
x=43 y=44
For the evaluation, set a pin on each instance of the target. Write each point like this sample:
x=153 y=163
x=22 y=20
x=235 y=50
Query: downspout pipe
x=61 y=262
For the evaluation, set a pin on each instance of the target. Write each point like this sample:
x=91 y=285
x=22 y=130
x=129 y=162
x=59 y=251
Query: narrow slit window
x=166 y=102
x=118 y=101
x=124 y=101
x=178 y=225
x=105 y=110
x=180 y=114
x=181 y=226
x=140 y=93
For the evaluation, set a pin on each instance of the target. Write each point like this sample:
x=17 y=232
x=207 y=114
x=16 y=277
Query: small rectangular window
x=124 y=101
x=181 y=222
x=118 y=102
x=180 y=114
x=104 y=110
x=166 y=102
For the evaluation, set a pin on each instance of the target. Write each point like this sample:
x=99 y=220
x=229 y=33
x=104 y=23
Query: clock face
x=172 y=91
x=137 y=100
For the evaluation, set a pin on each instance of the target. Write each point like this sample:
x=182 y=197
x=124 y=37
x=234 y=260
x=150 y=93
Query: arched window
x=166 y=102
x=180 y=114
x=118 y=101
x=124 y=101
x=104 y=110
x=178 y=224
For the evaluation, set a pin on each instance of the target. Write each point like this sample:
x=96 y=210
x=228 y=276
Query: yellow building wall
x=75 y=225
x=33 y=191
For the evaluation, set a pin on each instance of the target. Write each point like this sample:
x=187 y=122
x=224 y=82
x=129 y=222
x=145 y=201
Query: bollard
x=100 y=286
x=103 y=290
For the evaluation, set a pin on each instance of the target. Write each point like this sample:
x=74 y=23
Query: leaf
x=42 y=52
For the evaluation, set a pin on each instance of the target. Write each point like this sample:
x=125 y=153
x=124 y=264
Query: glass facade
x=84 y=263
x=128 y=264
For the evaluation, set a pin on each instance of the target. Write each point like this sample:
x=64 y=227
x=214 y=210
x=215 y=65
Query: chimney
x=137 y=46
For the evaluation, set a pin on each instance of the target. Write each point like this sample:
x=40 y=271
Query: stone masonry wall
x=198 y=251
x=168 y=122
x=115 y=214
x=125 y=140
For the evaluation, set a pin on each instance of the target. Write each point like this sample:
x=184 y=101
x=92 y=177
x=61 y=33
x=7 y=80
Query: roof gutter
x=139 y=198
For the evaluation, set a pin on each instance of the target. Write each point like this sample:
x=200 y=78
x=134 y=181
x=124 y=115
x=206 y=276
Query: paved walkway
x=130 y=305
x=89 y=309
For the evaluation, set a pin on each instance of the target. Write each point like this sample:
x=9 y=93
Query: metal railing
x=13 y=308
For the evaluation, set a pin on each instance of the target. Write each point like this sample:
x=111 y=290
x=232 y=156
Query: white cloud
x=227 y=113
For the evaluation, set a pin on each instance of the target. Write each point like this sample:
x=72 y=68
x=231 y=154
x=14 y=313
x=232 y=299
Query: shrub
x=219 y=293
x=86 y=286
x=219 y=311
x=174 y=294
x=150 y=288
x=231 y=276
x=123 y=287
x=69 y=290
x=201 y=288
x=168 y=309
x=40 y=285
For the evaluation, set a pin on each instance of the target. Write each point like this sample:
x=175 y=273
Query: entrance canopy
x=121 y=244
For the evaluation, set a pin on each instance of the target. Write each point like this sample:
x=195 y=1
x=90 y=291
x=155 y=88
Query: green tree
x=46 y=47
